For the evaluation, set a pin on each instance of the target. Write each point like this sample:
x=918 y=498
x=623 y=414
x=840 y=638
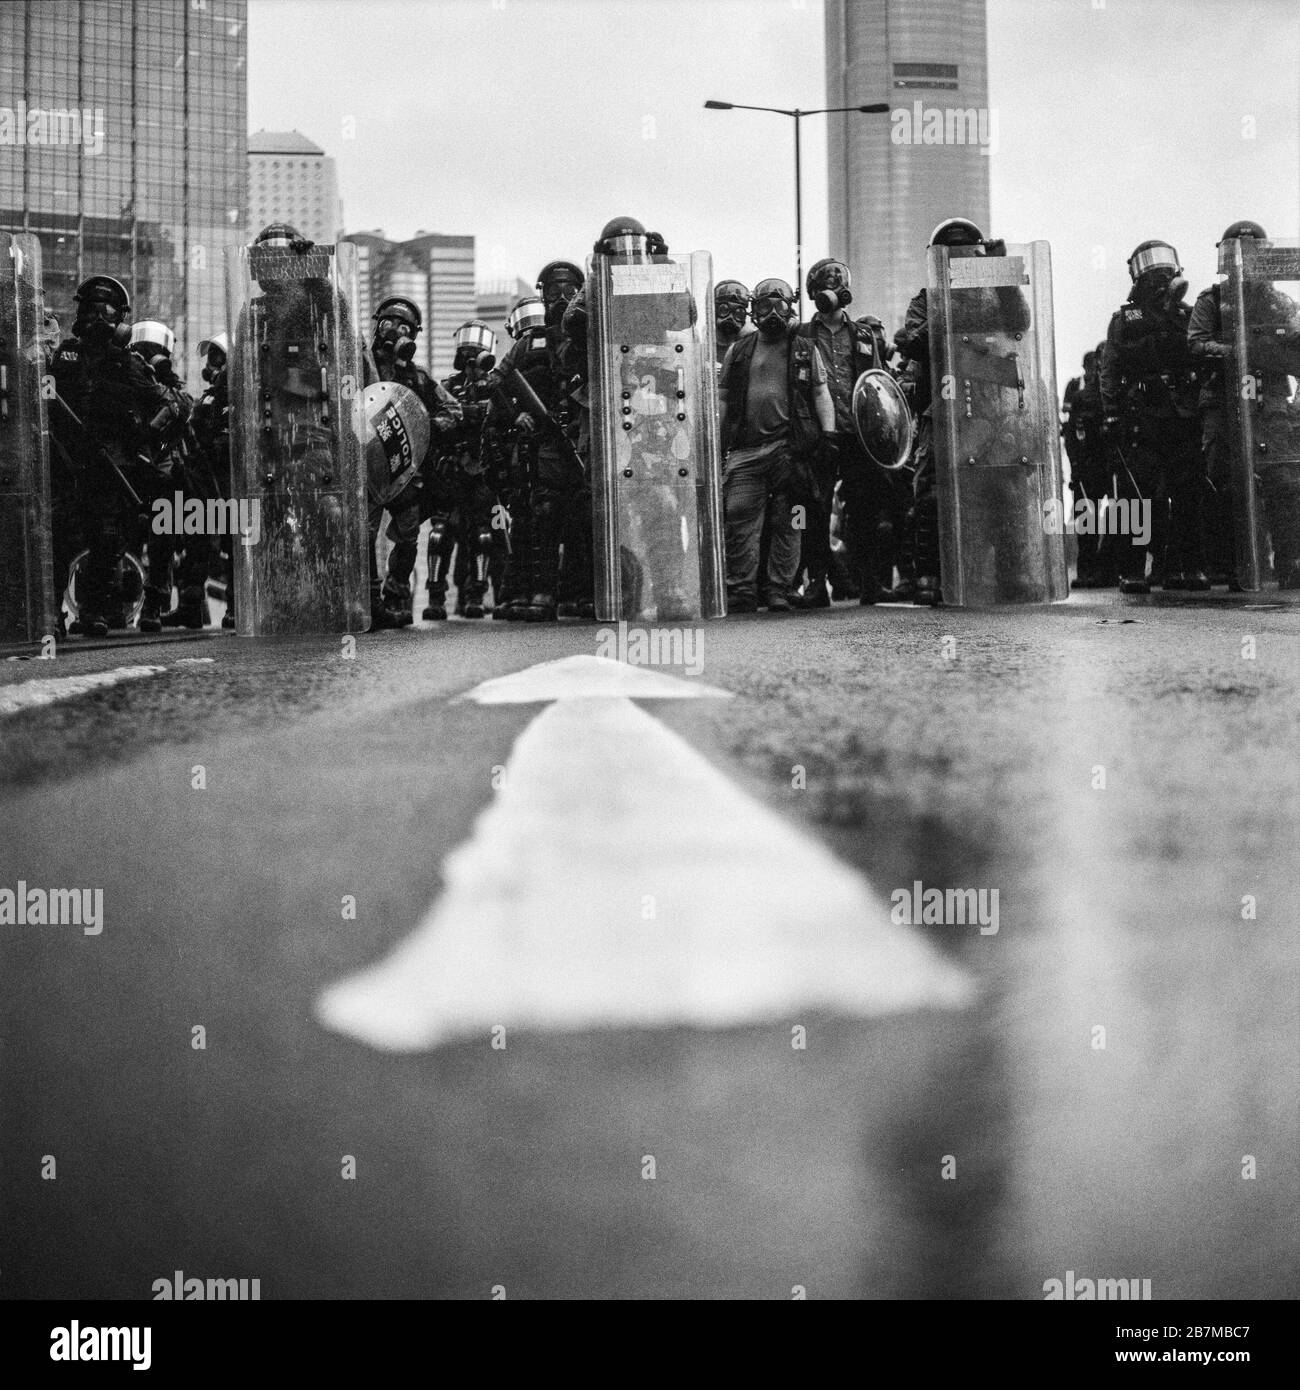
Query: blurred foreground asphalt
x=975 y=762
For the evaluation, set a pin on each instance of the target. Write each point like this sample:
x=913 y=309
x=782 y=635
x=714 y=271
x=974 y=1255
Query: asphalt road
x=965 y=763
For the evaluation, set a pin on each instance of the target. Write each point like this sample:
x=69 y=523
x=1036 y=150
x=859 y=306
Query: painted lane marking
x=34 y=694
x=619 y=879
x=589 y=678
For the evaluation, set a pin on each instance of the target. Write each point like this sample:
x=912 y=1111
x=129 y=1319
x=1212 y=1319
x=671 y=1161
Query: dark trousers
x=755 y=492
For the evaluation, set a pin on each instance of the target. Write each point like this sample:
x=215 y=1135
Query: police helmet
x=956 y=231
x=151 y=333
x=528 y=313
x=1152 y=255
x=403 y=310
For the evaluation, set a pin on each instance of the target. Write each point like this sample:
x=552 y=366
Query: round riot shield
x=125 y=594
x=394 y=429
x=883 y=419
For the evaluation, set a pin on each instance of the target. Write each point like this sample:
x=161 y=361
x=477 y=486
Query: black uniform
x=417 y=502
x=913 y=343
x=465 y=492
x=871 y=499
x=1149 y=385
x=171 y=446
x=208 y=477
x=1278 y=481
x=117 y=399
x=550 y=495
x=1090 y=474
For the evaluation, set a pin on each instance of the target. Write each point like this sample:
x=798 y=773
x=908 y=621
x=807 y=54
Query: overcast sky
x=528 y=123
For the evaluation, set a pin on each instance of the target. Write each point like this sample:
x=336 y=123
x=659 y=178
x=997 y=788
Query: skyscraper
x=435 y=271
x=893 y=178
x=124 y=150
x=291 y=179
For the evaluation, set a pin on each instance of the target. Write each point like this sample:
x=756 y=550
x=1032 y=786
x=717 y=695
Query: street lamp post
x=875 y=108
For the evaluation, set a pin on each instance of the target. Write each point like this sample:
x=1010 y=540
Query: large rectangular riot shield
x=295 y=380
x=656 y=495
x=1261 y=322
x=28 y=607
x=996 y=436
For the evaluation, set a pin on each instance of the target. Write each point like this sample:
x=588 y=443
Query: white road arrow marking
x=32 y=694
x=619 y=880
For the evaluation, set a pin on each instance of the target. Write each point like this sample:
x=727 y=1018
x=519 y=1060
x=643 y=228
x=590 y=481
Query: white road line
x=589 y=678
x=33 y=694
x=619 y=880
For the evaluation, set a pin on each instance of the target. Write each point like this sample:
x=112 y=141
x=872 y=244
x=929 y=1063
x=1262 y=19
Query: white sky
x=529 y=123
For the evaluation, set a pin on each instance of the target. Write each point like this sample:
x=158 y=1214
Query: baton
x=103 y=455
x=533 y=406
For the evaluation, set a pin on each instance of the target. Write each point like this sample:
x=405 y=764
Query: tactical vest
x=804 y=428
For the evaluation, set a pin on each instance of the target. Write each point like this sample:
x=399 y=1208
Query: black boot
x=151 y=610
x=396 y=598
x=541 y=609
x=191 y=611
x=927 y=593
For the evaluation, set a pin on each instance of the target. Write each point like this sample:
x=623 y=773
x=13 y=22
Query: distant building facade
x=893 y=177
x=433 y=270
x=123 y=132
x=291 y=179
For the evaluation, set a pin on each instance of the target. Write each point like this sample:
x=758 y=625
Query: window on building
x=936 y=77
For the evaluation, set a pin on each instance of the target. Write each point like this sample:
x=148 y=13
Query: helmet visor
x=524 y=317
x=475 y=335
x=1154 y=258
x=626 y=244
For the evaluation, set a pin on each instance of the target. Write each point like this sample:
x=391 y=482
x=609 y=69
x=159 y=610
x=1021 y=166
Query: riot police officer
x=515 y=441
x=549 y=484
x=392 y=352
x=169 y=451
x=913 y=343
x=1148 y=397
x=1090 y=476
x=467 y=481
x=849 y=347
x=207 y=475
x=109 y=413
x=1207 y=341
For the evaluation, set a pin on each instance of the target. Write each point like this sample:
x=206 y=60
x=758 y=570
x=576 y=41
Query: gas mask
x=730 y=305
x=829 y=284
x=473 y=361
x=394 y=339
x=557 y=295
x=1161 y=286
x=216 y=367
x=772 y=308
x=98 y=327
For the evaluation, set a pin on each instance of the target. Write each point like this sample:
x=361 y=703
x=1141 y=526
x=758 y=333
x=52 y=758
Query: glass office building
x=123 y=147
x=891 y=181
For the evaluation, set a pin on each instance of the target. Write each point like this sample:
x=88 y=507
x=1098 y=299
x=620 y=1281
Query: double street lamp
x=874 y=109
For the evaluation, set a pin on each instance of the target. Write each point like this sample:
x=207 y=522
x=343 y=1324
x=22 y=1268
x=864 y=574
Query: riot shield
x=656 y=496
x=394 y=429
x=882 y=420
x=28 y=603
x=996 y=433
x=296 y=455
x=1261 y=322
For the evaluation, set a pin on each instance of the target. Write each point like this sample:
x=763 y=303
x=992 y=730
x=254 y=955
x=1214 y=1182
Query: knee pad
x=441 y=538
